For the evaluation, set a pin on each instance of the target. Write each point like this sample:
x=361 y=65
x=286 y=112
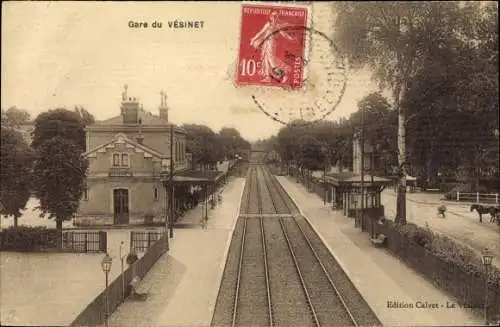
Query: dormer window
x=121 y=160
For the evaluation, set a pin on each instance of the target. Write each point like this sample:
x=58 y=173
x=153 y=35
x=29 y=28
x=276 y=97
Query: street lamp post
x=106 y=268
x=171 y=179
x=123 y=278
x=362 y=159
x=487 y=260
x=324 y=149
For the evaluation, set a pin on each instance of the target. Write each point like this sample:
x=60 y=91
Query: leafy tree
x=59 y=178
x=392 y=38
x=231 y=142
x=59 y=122
x=312 y=155
x=14 y=117
x=15 y=173
x=86 y=117
x=453 y=100
x=203 y=144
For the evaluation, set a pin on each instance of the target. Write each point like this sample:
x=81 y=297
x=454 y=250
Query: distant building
x=127 y=155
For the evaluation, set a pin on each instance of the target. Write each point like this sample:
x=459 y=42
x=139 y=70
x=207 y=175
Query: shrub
x=447 y=250
x=28 y=239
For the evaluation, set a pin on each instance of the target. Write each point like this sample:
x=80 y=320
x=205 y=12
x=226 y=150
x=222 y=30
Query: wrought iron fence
x=141 y=241
x=84 y=241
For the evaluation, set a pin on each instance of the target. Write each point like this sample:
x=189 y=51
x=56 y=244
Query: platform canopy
x=195 y=177
x=352 y=180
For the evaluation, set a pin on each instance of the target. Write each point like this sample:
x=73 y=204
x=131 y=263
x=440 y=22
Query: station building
x=128 y=155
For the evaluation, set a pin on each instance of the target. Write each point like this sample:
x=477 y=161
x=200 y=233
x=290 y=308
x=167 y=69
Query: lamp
x=106 y=263
x=106 y=268
x=487 y=259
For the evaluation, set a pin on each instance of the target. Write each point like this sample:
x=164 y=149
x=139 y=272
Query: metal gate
x=84 y=241
x=141 y=241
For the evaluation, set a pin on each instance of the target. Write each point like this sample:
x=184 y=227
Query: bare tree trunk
x=401 y=190
x=15 y=221
x=58 y=223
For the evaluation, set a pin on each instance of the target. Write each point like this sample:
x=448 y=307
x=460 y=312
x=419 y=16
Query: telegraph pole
x=362 y=141
x=172 y=198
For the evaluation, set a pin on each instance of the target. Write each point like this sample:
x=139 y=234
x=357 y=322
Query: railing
x=120 y=172
x=478 y=197
x=95 y=313
x=84 y=241
x=141 y=241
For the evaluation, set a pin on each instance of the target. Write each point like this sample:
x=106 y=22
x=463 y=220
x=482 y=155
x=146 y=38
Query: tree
x=453 y=99
x=15 y=173
x=203 y=144
x=86 y=117
x=231 y=142
x=14 y=117
x=59 y=122
x=59 y=178
x=391 y=38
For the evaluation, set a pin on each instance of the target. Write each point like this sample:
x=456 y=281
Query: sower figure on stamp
x=265 y=39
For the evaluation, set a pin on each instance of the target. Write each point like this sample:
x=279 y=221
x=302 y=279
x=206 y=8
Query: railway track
x=278 y=271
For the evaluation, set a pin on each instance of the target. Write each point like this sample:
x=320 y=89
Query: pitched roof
x=146 y=117
x=122 y=138
x=352 y=178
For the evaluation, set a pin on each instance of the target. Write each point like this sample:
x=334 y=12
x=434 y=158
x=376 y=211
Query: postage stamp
x=288 y=64
x=272 y=46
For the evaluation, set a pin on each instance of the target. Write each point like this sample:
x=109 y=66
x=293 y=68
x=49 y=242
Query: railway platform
x=183 y=284
x=396 y=294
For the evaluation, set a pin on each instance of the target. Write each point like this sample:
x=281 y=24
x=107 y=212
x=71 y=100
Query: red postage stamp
x=272 y=46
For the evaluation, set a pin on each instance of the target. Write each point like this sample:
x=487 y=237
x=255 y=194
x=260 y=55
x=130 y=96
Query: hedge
x=449 y=265
x=29 y=239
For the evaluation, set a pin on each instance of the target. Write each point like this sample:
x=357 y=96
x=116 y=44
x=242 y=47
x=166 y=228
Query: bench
x=379 y=241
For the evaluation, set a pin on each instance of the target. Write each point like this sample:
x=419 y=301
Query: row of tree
x=439 y=60
x=53 y=170
x=208 y=147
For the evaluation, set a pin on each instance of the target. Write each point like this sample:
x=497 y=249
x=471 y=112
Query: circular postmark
x=306 y=85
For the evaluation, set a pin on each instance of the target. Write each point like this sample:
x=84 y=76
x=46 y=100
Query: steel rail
x=270 y=192
x=281 y=192
x=249 y=190
x=332 y=284
x=266 y=270
x=238 y=281
x=306 y=292
x=259 y=194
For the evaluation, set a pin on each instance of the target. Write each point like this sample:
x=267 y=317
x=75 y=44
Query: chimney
x=163 y=109
x=140 y=137
x=129 y=108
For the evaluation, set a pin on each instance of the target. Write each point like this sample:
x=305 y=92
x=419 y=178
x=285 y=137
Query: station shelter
x=195 y=187
x=345 y=189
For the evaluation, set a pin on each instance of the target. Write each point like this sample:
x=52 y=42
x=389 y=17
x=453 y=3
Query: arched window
x=155 y=194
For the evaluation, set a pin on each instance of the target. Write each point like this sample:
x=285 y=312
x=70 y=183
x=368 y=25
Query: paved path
x=379 y=276
x=460 y=224
x=183 y=284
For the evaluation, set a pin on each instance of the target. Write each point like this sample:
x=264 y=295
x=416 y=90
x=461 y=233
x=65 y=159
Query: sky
x=82 y=53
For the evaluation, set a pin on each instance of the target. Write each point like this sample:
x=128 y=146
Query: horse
x=480 y=209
